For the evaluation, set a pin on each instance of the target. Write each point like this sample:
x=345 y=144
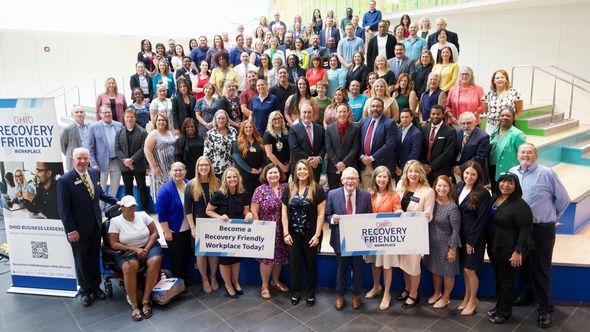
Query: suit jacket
x=442 y=151
x=321 y=51
x=512 y=226
x=180 y=111
x=78 y=211
x=384 y=142
x=334 y=33
x=474 y=221
x=451 y=38
x=345 y=151
x=406 y=66
x=337 y=205
x=423 y=200
x=373 y=50
x=98 y=145
x=69 y=140
x=410 y=148
x=132 y=148
x=302 y=149
x=476 y=148
x=134 y=83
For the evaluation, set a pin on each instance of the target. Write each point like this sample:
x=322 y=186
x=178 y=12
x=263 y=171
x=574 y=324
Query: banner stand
x=42 y=291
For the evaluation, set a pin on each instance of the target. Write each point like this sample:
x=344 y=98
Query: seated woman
x=136 y=235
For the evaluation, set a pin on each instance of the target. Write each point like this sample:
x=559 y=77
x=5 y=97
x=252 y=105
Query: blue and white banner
x=41 y=259
x=384 y=233
x=236 y=238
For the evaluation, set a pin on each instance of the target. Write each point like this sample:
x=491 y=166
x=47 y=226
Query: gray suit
x=70 y=140
x=98 y=146
x=406 y=66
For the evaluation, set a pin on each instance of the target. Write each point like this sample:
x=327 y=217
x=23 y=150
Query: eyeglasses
x=466 y=123
x=40 y=170
x=350 y=179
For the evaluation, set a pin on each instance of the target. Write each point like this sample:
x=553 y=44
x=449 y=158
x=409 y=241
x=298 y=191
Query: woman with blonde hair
x=501 y=95
x=390 y=108
x=248 y=155
x=425 y=26
x=197 y=195
x=276 y=141
x=113 y=99
x=159 y=151
x=382 y=69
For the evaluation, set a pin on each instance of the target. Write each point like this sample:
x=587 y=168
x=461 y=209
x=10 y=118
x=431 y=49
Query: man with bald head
x=472 y=144
x=74 y=135
x=441 y=23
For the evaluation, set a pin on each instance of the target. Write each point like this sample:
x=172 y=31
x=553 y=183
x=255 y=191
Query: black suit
x=476 y=148
x=373 y=50
x=302 y=149
x=341 y=150
x=130 y=145
x=442 y=150
x=134 y=83
x=181 y=111
x=80 y=212
x=410 y=148
x=334 y=33
x=451 y=38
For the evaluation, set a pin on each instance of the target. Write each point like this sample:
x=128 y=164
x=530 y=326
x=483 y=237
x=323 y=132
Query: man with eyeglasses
x=45 y=200
x=346 y=200
x=472 y=144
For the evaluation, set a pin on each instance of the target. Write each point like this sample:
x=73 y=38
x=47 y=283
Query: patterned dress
x=207 y=111
x=270 y=210
x=443 y=234
x=496 y=104
x=164 y=155
x=218 y=148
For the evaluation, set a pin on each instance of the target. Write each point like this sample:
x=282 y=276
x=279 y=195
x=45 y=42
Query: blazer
x=186 y=74
x=512 y=226
x=69 y=140
x=410 y=148
x=120 y=105
x=180 y=111
x=78 y=211
x=300 y=147
x=300 y=73
x=442 y=151
x=335 y=33
x=345 y=151
x=373 y=50
x=407 y=66
x=506 y=149
x=476 y=148
x=474 y=222
x=131 y=148
x=169 y=206
x=423 y=200
x=98 y=145
x=451 y=38
x=384 y=142
x=134 y=83
x=321 y=51
x=337 y=205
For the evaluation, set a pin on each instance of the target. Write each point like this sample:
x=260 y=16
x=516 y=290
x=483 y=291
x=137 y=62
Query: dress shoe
x=403 y=296
x=310 y=301
x=214 y=284
x=373 y=293
x=295 y=300
x=498 y=319
x=339 y=304
x=440 y=304
x=414 y=300
x=239 y=291
x=433 y=299
x=99 y=294
x=86 y=300
x=265 y=294
x=228 y=294
x=207 y=289
x=523 y=301
x=356 y=302
x=280 y=287
x=492 y=312
x=385 y=302
x=544 y=320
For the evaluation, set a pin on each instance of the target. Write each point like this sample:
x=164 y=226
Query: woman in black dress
x=474 y=203
x=230 y=202
x=248 y=155
x=358 y=72
x=189 y=146
x=276 y=142
x=182 y=105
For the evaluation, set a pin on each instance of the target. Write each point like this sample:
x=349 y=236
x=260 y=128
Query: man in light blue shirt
x=548 y=199
x=348 y=45
x=414 y=44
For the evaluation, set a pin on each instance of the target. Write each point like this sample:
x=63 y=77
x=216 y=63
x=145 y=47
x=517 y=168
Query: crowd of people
x=247 y=128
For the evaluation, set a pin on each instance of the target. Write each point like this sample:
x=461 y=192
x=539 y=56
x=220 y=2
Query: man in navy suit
x=348 y=199
x=307 y=141
x=316 y=49
x=472 y=143
x=438 y=145
x=378 y=142
x=409 y=141
x=78 y=195
x=329 y=31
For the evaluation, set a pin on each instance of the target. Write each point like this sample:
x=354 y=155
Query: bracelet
x=284 y=237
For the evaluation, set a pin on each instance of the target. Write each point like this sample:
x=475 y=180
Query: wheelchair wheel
x=108 y=289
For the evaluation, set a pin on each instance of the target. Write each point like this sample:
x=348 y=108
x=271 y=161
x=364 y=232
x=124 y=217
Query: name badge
x=77 y=182
x=279 y=146
x=252 y=149
x=415 y=199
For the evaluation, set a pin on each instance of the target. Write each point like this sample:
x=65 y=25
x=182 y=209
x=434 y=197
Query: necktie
x=349 y=204
x=327 y=35
x=368 y=137
x=397 y=67
x=88 y=185
x=463 y=142
x=430 y=141
x=309 y=134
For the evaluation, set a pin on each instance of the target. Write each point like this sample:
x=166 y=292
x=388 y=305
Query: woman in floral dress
x=219 y=142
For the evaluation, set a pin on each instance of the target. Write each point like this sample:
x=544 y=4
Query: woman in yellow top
x=447 y=68
x=223 y=72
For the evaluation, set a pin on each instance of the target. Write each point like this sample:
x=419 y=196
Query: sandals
x=280 y=287
x=146 y=310
x=414 y=300
x=136 y=314
x=265 y=294
x=403 y=295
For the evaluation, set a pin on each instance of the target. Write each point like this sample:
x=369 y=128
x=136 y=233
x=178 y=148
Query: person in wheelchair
x=135 y=235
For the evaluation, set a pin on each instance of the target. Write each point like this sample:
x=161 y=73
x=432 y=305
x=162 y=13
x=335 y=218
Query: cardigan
x=169 y=206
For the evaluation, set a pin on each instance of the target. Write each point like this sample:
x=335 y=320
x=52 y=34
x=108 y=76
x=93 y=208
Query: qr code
x=39 y=249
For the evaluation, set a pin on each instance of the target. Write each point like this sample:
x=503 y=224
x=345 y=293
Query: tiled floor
x=195 y=311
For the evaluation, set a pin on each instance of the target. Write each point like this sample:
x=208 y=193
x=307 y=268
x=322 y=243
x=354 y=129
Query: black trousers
x=141 y=186
x=536 y=271
x=506 y=278
x=302 y=256
x=181 y=252
x=342 y=272
x=87 y=259
x=334 y=180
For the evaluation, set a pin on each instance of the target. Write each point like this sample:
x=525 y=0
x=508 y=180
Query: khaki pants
x=366 y=176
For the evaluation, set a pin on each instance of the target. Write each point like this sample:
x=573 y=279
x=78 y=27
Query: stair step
x=584 y=146
x=557 y=127
x=535 y=110
x=535 y=121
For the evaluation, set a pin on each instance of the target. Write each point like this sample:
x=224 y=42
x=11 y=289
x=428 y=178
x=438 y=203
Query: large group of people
x=244 y=129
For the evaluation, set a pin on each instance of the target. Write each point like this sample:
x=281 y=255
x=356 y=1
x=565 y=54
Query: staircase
x=541 y=121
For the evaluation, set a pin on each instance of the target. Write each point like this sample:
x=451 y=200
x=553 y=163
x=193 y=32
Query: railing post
x=554 y=91
x=571 y=98
x=532 y=86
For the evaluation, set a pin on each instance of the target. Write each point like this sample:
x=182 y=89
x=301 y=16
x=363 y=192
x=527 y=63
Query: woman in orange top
x=316 y=73
x=384 y=198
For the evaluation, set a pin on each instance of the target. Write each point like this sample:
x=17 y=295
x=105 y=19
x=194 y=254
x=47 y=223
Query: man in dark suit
x=329 y=31
x=306 y=141
x=472 y=143
x=78 y=195
x=348 y=199
x=129 y=148
x=401 y=63
x=373 y=47
x=438 y=145
x=377 y=145
x=342 y=145
x=74 y=135
x=316 y=49
x=409 y=141
x=441 y=23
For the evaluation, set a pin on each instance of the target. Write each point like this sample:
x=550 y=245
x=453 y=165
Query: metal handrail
x=556 y=77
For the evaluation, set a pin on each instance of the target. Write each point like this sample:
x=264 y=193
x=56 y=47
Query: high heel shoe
x=239 y=291
x=403 y=296
x=440 y=304
x=462 y=306
x=384 y=305
x=414 y=300
x=470 y=310
x=228 y=294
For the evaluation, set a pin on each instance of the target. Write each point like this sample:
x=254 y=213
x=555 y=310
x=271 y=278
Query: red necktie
x=367 y=146
x=349 y=204
x=309 y=134
x=430 y=141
